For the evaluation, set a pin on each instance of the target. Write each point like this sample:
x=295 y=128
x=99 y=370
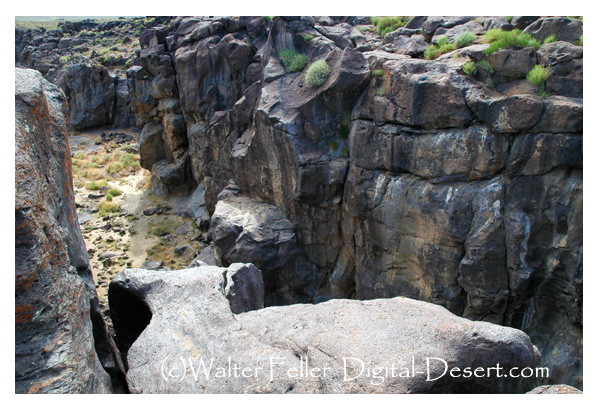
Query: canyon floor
x=123 y=223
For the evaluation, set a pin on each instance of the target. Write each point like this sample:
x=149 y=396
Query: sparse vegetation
x=106 y=207
x=464 y=39
x=345 y=152
x=308 y=37
x=377 y=73
x=386 y=25
x=469 y=67
x=500 y=39
x=115 y=192
x=317 y=73
x=537 y=76
x=381 y=91
x=333 y=145
x=292 y=60
x=550 y=39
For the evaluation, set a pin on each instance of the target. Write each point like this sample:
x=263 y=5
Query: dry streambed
x=122 y=222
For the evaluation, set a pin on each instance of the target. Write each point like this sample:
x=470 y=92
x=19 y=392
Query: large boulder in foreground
x=55 y=298
x=195 y=343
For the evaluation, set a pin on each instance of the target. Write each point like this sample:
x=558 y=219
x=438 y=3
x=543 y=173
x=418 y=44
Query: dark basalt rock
x=61 y=340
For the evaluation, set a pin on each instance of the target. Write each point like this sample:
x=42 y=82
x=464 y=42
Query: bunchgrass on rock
x=537 y=76
x=292 y=60
x=388 y=24
x=500 y=39
x=317 y=73
x=469 y=67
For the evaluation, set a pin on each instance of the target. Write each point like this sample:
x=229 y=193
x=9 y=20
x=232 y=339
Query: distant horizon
x=68 y=18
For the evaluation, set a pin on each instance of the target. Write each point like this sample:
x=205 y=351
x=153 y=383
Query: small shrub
x=580 y=18
x=446 y=48
x=346 y=116
x=489 y=82
x=268 y=18
x=485 y=65
x=63 y=59
x=317 y=73
x=115 y=192
x=292 y=60
x=469 y=68
x=500 y=39
x=509 y=18
x=432 y=52
x=537 y=76
x=386 y=25
x=109 y=197
x=465 y=39
x=107 y=207
x=441 y=41
x=96 y=185
x=345 y=152
x=333 y=145
x=550 y=39
x=377 y=73
x=578 y=42
x=308 y=37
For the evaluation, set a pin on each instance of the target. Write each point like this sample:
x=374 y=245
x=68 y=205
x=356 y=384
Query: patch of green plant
x=441 y=41
x=580 y=18
x=317 y=73
x=432 y=52
x=63 y=59
x=485 y=65
x=469 y=67
x=96 y=185
x=115 y=192
x=464 y=39
x=345 y=117
x=550 y=39
x=333 y=145
x=381 y=91
x=446 y=48
x=543 y=94
x=345 y=152
x=109 y=197
x=106 y=207
x=489 y=82
x=292 y=60
x=537 y=76
x=500 y=39
x=388 y=24
x=344 y=132
x=578 y=42
x=268 y=18
x=308 y=37
x=79 y=155
x=509 y=18
x=377 y=73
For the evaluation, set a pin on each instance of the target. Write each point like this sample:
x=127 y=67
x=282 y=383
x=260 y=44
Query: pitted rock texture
x=57 y=314
x=272 y=341
x=421 y=182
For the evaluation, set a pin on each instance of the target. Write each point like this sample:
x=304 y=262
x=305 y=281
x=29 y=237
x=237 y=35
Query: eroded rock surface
x=271 y=342
x=60 y=336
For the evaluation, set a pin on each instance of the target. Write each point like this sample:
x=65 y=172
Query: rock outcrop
x=417 y=181
x=214 y=347
x=61 y=341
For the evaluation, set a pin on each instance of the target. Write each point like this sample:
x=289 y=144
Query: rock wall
x=419 y=181
x=61 y=341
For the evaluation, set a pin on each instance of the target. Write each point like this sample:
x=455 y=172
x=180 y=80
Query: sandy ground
x=128 y=238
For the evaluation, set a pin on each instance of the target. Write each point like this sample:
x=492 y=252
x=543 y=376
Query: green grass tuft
x=317 y=73
x=292 y=60
x=537 y=76
x=386 y=25
x=550 y=39
x=500 y=39
x=377 y=73
x=464 y=39
x=469 y=68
